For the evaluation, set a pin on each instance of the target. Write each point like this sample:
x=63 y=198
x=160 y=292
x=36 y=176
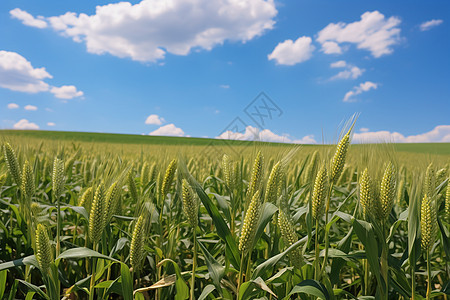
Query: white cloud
x=168 y=130
x=331 y=48
x=30 y=107
x=224 y=86
x=309 y=139
x=28 y=19
x=25 y=124
x=440 y=134
x=338 y=64
x=364 y=129
x=51 y=124
x=430 y=24
x=12 y=106
x=290 y=53
x=350 y=72
x=359 y=89
x=255 y=134
x=154 y=120
x=373 y=32
x=146 y=31
x=17 y=74
x=66 y=92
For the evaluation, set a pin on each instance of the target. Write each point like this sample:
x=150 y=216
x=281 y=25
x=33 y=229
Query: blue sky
x=191 y=67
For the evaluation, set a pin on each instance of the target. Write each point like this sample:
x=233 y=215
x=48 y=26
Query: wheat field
x=102 y=220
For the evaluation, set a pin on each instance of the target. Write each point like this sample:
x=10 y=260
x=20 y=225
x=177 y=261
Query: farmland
x=104 y=216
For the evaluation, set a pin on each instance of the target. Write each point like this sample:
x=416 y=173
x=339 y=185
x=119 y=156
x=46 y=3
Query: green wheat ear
x=168 y=177
x=132 y=186
x=43 y=248
x=137 y=252
x=365 y=193
x=96 y=216
x=319 y=193
x=428 y=223
x=289 y=238
x=387 y=191
x=250 y=223
x=2 y=179
x=190 y=206
x=28 y=186
x=144 y=174
x=255 y=181
x=86 y=199
x=226 y=169
x=273 y=183
x=111 y=200
x=337 y=164
x=430 y=181
x=12 y=163
x=58 y=177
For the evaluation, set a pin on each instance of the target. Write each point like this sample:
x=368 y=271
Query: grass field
x=112 y=216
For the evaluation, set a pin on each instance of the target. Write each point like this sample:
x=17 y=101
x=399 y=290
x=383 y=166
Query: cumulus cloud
x=350 y=71
x=28 y=19
x=17 y=74
x=30 y=107
x=430 y=24
x=51 y=124
x=331 y=48
x=290 y=53
x=440 y=134
x=146 y=31
x=359 y=89
x=373 y=32
x=338 y=64
x=255 y=134
x=168 y=130
x=154 y=120
x=25 y=124
x=12 y=106
x=66 y=92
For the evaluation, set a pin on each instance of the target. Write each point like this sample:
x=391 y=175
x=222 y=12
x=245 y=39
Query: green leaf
x=127 y=282
x=3 y=275
x=28 y=260
x=215 y=269
x=311 y=287
x=271 y=262
x=268 y=210
x=33 y=288
x=82 y=252
x=180 y=284
x=30 y=295
x=206 y=291
x=221 y=226
x=366 y=235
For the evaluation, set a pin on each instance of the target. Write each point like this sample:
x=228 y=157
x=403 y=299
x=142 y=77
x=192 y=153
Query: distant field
x=425 y=148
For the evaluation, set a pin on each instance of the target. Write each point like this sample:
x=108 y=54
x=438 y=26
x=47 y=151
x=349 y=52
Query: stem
x=366 y=277
x=413 y=282
x=316 y=245
x=384 y=262
x=91 y=288
x=429 y=275
x=327 y=242
x=240 y=273
x=194 y=265
x=58 y=227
